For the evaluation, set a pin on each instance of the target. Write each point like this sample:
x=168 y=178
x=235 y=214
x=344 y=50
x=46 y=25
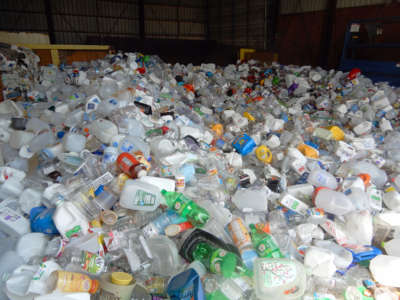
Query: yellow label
x=70 y=282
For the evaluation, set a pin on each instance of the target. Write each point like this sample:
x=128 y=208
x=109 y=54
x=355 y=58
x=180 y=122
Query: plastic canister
x=32 y=245
x=117 y=286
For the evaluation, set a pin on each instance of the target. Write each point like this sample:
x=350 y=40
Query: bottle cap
x=121 y=278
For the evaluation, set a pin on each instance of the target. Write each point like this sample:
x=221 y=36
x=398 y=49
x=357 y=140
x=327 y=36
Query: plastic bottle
x=70 y=282
x=385 y=270
x=82 y=261
x=322 y=178
x=333 y=202
x=216 y=260
x=140 y=195
x=264 y=243
x=241 y=238
x=130 y=165
x=185 y=207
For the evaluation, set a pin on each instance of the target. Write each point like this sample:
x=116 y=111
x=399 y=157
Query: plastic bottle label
x=70 y=282
x=239 y=233
x=73 y=232
x=278 y=273
x=216 y=261
x=268 y=248
x=144 y=198
x=92 y=263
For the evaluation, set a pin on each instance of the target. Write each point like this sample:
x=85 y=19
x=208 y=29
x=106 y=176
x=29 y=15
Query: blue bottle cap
x=99 y=190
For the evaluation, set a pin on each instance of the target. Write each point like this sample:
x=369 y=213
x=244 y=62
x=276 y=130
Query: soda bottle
x=216 y=260
x=185 y=207
x=264 y=243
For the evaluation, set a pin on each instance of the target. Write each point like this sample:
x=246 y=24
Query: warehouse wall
x=76 y=20
x=299 y=34
x=243 y=23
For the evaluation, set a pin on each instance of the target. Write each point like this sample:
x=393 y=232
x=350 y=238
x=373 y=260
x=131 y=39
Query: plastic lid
x=172 y=230
x=228 y=265
x=121 y=278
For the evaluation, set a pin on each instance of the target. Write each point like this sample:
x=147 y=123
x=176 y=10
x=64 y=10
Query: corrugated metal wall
x=301 y=6
x=75 y=21
x=239 y=23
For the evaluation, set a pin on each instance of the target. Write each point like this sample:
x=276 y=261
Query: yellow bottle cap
x=264 y=154
x=121 y=278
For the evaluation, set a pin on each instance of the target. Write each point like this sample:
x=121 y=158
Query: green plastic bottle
x=185 y=207
x=216 y=260
x=264 y=244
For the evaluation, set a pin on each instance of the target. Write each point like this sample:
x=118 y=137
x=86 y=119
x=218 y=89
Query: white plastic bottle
x=140 y=195
x=333 y=202
x=392 y=247
x=386 y=270
x=322 y=178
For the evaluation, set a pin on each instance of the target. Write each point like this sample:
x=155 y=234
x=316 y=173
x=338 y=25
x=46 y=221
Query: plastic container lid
x=121 y=278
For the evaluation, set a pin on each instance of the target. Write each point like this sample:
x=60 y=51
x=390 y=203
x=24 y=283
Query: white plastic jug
x=104 y=130
x=32 y=245
x=386 y=270
x=140 y=195
x=11 y=221
x=319 y=177
x=162 y=183
x=69 y=220
x=333 y=202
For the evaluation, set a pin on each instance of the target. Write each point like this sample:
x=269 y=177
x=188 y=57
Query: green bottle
x=216 y=260
x=264 y=244
x=275 y=80
x=185 y=207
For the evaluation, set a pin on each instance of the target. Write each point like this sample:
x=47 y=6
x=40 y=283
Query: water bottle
x=158 y=225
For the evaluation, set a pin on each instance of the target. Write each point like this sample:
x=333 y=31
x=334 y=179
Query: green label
x=144 y=198
x=73 y=232
x=268 y=248
x=179 y=205
x=216 y=261
x=92 y=263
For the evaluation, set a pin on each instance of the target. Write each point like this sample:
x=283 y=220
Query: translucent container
x=279 y=278
x=140 y=195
